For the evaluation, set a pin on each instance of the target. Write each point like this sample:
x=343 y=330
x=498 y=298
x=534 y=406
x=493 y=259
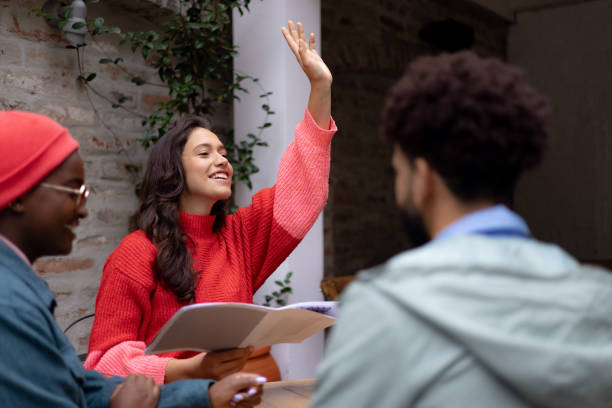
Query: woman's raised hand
x=306 y=53
x=320 y=77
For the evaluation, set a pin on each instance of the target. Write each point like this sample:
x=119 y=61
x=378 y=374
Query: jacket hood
x=527 y=311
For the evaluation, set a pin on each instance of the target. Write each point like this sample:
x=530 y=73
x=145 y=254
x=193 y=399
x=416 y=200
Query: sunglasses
x=80 y=194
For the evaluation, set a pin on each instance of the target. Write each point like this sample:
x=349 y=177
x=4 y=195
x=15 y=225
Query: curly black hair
x=474 y=120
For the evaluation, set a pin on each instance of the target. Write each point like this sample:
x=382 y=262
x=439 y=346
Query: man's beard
x=414 y=228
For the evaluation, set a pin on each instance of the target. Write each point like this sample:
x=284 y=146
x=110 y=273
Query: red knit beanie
x=31 y=146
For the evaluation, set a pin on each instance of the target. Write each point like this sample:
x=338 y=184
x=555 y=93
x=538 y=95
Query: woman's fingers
x=290 y=41
x=294 y=31
x=306 y=53
x=294 y=34
x=250 y=397
x=301 y=31
x=293 y=45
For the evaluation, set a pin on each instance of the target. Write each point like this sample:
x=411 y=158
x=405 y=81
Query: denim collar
x=22 y=270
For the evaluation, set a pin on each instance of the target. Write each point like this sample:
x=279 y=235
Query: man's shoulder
x=464 y=254
x=14 y=290
x=472 y=263
x=18 y=299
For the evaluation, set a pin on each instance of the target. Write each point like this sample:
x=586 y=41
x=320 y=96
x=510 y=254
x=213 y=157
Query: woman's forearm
x=319 y=103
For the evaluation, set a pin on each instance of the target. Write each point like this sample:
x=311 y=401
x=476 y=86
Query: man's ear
x=422 y=181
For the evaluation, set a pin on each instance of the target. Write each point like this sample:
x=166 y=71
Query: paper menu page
x=221 y=326
x=287 y=326
x=206 y=328
x=328 y=308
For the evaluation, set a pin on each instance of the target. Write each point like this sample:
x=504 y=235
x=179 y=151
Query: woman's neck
x=195 y=205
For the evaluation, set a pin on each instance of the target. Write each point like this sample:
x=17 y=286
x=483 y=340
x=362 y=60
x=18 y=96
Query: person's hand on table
x=241 y=390
x=138 y=391
x=213 y=365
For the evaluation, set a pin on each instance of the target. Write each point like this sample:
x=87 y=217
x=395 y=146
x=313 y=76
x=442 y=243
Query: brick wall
x=367 y=45
x=37 y=73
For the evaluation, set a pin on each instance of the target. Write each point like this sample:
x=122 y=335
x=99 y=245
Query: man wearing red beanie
x=42 y=199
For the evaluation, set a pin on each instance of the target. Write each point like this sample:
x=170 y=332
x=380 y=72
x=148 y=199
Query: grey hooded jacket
x=473 y=321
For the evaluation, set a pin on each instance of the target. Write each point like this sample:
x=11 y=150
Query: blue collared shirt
x=494 y=221
x=38 y=366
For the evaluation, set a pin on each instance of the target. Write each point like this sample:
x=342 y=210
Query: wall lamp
x=57 y=8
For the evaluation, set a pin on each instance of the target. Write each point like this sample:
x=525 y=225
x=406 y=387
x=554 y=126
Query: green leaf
x=78 y=25
x=132 y=168
x=90 y=77
x=118 y=60
x=138 y=81
x=105 y=61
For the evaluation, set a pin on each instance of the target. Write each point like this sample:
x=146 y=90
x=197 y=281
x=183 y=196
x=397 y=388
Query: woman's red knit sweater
x=232 y=264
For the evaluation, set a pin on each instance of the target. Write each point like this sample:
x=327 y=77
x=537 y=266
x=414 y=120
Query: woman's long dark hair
x=158 y=215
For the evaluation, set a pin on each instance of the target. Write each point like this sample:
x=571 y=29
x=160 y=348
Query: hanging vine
x=192 y=54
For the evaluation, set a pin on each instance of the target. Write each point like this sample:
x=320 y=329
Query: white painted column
x=264 y=54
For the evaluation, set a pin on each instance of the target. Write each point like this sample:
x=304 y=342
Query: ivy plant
x=279 y=296
x=192 y=54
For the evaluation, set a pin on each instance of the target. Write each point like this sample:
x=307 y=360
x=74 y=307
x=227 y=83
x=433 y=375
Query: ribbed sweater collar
x=197 y=226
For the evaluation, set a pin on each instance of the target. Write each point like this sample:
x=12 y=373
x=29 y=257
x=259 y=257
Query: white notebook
x=220 y=326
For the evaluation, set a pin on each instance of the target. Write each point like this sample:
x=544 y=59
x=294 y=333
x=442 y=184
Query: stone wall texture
x=367 y=45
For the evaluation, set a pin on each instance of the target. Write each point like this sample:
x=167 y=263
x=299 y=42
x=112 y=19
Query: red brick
x=149 y=100
x=58 y=265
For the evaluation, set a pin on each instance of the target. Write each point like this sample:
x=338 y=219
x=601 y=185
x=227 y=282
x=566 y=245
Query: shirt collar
x=15 y=248
x=496 y=220
x=15 y=265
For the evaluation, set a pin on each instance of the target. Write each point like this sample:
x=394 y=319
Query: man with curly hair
x=482 y=315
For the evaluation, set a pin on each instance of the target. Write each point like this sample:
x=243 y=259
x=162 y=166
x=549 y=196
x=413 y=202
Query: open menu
x=221 y=326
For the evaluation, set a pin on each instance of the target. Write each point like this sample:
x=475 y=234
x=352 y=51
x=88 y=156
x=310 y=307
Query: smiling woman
x=186 y=248
x=208 y=172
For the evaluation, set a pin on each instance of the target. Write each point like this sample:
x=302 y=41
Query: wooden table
x=287 y=394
